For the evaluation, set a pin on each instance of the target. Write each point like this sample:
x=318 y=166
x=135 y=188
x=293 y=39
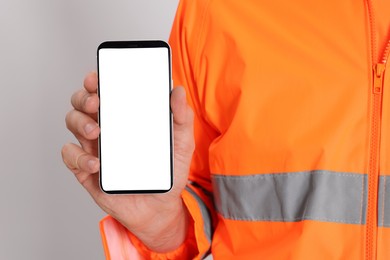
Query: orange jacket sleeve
x=186 y=42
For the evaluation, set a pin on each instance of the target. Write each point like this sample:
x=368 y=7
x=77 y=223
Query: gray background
x=46 y=48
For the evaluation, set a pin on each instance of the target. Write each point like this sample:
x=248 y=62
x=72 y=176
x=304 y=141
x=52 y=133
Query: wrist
x=169 y=230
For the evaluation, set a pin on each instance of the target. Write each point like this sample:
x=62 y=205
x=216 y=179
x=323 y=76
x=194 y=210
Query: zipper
x=386 y=51
x=373 y=172
x=376 y=116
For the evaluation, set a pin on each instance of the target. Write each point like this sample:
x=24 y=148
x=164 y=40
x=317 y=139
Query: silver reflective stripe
x=384 y=202
x=289 y=197
x=205 y=214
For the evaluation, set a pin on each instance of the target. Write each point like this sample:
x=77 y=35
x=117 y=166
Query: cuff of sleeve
x=116 y=244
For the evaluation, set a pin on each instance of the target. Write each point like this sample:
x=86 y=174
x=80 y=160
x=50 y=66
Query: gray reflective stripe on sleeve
x=205 y=214
x=290 y=197
x=384 y=202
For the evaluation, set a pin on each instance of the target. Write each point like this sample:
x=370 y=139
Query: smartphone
x=135 y=142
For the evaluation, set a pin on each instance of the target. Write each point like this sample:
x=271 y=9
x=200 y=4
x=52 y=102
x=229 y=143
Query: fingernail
x=89 y=128
x=92 y=164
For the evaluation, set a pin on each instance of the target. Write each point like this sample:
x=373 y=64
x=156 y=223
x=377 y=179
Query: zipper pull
x=379 y=72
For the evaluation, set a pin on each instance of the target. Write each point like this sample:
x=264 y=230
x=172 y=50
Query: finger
x=86 y=102
x=77 y=160
x=84 y=166
x=182 y=113
x=82 y=125
x=91 y=82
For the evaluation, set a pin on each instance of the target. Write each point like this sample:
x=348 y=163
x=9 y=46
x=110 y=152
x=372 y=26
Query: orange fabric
x=285 y=86
x=106 y=248
x=291 y=240
x=116 y=243
x=203 y=244
x=383 y=243
x=382 y=23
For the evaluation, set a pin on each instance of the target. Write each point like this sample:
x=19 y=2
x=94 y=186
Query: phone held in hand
x=135 y=142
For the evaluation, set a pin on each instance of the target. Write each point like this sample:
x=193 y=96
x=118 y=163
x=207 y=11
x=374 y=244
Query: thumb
x=182 y=113
x=183 y=130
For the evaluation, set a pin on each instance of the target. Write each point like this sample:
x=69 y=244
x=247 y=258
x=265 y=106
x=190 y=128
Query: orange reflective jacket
x=292 y=128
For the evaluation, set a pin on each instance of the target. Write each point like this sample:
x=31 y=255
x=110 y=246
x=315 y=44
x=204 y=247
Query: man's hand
x=159 y=221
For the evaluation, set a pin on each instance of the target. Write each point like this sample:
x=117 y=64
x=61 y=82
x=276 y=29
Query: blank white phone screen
x=134 y=117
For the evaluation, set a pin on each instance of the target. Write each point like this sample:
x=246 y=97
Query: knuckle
x=73 y=120
x=65 y=153
x=64 y=150
x=68 y=118
x=74 y=98
x=80 y=160
x=83 y=100
x=78 y=99
x=86 y=81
